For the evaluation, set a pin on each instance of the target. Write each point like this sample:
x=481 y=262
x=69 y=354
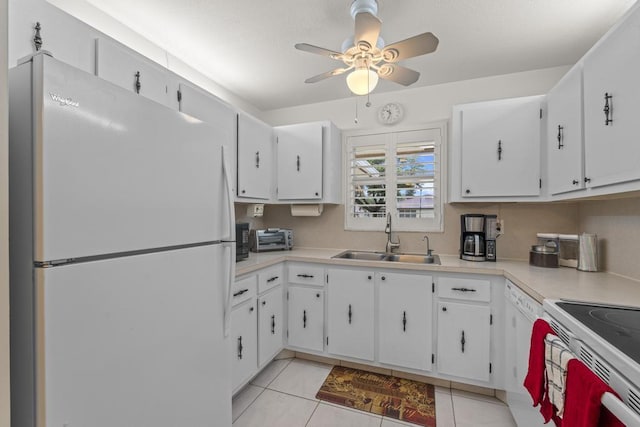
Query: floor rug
x=405 y=400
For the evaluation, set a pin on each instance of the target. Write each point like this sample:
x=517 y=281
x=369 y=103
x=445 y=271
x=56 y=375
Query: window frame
x=435 y=224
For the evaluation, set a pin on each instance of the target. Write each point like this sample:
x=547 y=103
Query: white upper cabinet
x=255 y=158
x=132 y=71
x=611 y=70
x=496 y=149
x=564 y=134
x=299 y=172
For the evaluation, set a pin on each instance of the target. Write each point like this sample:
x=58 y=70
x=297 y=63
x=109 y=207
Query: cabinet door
x=255 y=158
x=306 y=318
x=299 y=161
x=244 y=342
x=269 y=325
x=464 y=337
x=564 y=134
x=350 y=301
x=501 y=148
x=404 y=316
x=612 y=152
x=127 y=69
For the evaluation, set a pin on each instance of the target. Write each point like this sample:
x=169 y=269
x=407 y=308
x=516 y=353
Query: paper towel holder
x=307 y=209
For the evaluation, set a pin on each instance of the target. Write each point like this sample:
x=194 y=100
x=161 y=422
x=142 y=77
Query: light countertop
x=540 y=283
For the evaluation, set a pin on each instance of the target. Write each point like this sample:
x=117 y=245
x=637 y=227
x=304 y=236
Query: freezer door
x=117 y=172
x=134 y=341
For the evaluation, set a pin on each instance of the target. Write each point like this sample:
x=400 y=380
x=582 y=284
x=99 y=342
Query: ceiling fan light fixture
x=362 y=81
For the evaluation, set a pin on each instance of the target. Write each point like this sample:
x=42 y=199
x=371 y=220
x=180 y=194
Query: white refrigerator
x=122 y=257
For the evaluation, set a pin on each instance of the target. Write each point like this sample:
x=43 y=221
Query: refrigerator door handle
x=230 y=205
x=229 y=277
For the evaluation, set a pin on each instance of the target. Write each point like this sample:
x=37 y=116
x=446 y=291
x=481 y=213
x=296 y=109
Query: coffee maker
x=478 y=233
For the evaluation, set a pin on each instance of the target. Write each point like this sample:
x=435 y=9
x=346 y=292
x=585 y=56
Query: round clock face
x=390 y=113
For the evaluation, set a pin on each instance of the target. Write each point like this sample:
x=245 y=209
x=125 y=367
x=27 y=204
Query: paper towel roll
x=306 y=210
x=588 y=252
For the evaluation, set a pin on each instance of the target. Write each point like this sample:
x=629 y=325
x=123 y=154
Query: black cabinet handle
x=463 y=289
x=306 y=276
x=298 y=163
x=138 y=85
x=608 y=109
x=462 y=341
x=304 y=318
x=240 y=292
x=317 y=295
x=404 y=321
x=272 y=279
x=444 y=308
x=264 y=303
x=369 y=277
x=575 y=182
x=587 y=180
x=467 y=191
x=560 y=137
x=383 y=278
x=349 y=313
x=257 y=159
x=273 y=324
x=499 y=149
x=251 y=309
x=240 y=347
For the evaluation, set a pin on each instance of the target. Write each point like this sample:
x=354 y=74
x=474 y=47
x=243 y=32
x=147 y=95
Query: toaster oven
x=271 y=239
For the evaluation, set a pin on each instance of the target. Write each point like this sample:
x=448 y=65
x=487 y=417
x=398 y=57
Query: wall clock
x=390 y=113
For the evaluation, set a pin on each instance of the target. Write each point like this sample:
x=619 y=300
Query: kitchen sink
x=382 y=256
x=413 y=258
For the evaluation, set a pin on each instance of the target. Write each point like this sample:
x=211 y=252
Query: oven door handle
x=620 y=410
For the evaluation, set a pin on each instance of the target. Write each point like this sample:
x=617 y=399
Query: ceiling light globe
x=362 y=81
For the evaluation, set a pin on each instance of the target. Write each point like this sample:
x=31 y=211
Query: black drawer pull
x=349 y=313
x=304 y=318
x=240 y=347
x=306 y=276
x=240 y=292
x=273 y=324
x=462 y=341
x=463 y=289
x=272 y=279
x=560 y=137
x=404 y=321
x=608 y=109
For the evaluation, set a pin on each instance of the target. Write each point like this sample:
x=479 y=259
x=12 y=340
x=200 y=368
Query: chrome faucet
x=391 y=245
x=428 y=250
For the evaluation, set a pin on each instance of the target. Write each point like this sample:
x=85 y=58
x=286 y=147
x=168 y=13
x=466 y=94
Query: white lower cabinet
x=244 y=342
x=306 y=318
x=404 y=320
x=269 y=325
x=464 y=340
x=350 y=317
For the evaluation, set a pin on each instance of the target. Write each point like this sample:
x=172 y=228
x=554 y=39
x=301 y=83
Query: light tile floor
x=283 y=395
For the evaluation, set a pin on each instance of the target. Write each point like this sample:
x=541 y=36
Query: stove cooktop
x=619 y=326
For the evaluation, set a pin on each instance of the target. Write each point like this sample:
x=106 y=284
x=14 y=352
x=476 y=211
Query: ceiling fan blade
x=318 y=50
x=413 y=46
x=367 y=30
x=326 y=75
x=396 y=73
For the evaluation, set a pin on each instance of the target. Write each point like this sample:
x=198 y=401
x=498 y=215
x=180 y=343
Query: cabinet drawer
x=306 y=274
x=464 y=289
x=269 y=278
x=244 y=289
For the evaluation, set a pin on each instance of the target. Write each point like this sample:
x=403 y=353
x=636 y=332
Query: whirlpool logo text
x=64 y=101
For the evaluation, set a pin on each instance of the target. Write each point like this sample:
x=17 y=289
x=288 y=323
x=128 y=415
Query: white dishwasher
x=520 y=313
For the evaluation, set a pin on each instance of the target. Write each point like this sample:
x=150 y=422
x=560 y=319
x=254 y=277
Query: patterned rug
x=406 y=400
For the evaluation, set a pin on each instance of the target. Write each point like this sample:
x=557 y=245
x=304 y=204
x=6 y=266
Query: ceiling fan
x=367 y=57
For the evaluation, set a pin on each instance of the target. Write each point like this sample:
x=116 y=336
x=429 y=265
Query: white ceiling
x=247 y=45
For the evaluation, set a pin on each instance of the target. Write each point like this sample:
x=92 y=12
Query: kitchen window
x=395 y=172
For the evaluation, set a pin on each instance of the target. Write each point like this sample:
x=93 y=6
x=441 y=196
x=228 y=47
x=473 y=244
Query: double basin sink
x=389 y=257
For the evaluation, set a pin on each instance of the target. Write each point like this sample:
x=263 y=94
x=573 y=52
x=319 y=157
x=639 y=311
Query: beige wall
x=617 y=224
x=521 y=221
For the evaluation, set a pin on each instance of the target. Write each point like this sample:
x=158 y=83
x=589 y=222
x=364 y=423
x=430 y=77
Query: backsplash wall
x=521 y=223
x=617 y=224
